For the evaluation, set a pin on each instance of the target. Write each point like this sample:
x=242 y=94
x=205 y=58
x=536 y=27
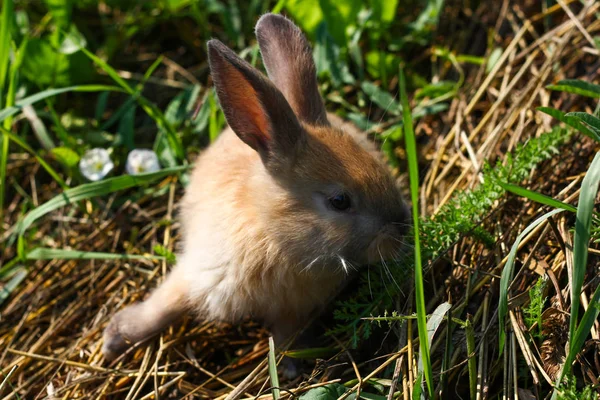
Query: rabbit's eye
x=340 y=202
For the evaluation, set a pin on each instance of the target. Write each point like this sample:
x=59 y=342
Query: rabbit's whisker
x=344 y=264
x=317 y=258
x=387 y=269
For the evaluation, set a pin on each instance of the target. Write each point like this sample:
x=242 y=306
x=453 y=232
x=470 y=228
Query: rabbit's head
x=319 y=193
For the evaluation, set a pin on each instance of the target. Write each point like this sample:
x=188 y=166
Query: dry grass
x=51 y=327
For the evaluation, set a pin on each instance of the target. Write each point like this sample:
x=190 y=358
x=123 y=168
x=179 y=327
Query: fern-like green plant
x=568 y=391
x=465 y=211
x=460 y=217
x=533 y=312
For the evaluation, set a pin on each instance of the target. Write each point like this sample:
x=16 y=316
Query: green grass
x=273 y=370
x=134 y=75
x=6 y=93
x=413 y=170
x=579 y=330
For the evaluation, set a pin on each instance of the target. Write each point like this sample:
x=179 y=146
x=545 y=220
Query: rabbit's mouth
x=390 y=243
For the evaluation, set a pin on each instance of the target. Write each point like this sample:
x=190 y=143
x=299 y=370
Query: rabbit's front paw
x=114 y=344
x=124 y=329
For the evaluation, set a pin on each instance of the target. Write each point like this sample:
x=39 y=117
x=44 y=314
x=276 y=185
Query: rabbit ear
x=254 y=108
x=287 y=56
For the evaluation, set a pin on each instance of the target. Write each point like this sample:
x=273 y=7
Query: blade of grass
x=7 y=378
x=5 y=39
x=19 y=274
x=581 y=240
x=537 y=197
x=592 y=121
x=583 y=330
x=9 y=111
x=45 y=253
x=9 y=101
x=273 y=369
x=44 y=164
x=413 y=169
x=435 y=319
x=472 y=360
x=507 y=273
x=573 y=122
x=312 y=353
x=149 y=72
x=578 y=87
x=87 y=191
x=578 y=334
x=150 y=109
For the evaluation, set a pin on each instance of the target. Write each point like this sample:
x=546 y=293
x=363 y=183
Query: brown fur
x=260 y=236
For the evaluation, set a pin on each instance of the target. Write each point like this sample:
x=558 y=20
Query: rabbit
x=281 y=209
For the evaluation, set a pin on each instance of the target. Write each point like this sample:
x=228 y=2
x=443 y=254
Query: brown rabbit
x=280 y=208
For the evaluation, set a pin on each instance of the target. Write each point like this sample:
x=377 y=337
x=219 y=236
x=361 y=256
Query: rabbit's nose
x=401 y=219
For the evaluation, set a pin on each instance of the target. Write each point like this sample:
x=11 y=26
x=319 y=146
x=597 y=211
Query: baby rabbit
x=280 y=209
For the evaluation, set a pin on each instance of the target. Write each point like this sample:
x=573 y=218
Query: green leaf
x=176 y=5
x=578 y=87
x=7 y=97
x=182 y=105
x=216 y=119
x=384 y=12
x=327 y=392
x=436 y=318
x=427 y=19
x=19 y=274
x=338 y=16
x=312 y=353
x=394 y=133
x=93 y=189
x=164 y=127
x=201 y=120
x=381 y=64
x=382 y=98
x=418 y=388
x=46 y=66
x=45 y=253
x=6 y=22
x=469 y=59
x=125 y=130
x=571 y=121
x=65 y=156
x=278 y=6
x=165 y=253
x=585 y=326
x=537 y=197
x=7 y=112
x=433 y=90
x=493 y=59
x=592 y=121
x=328 y=59
x=413 y=171
x=273 y=370
x=38 y=127
x=585 y=208
x=433 y=324
x=60 y=10
x=507 y=273
x=307 y=14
